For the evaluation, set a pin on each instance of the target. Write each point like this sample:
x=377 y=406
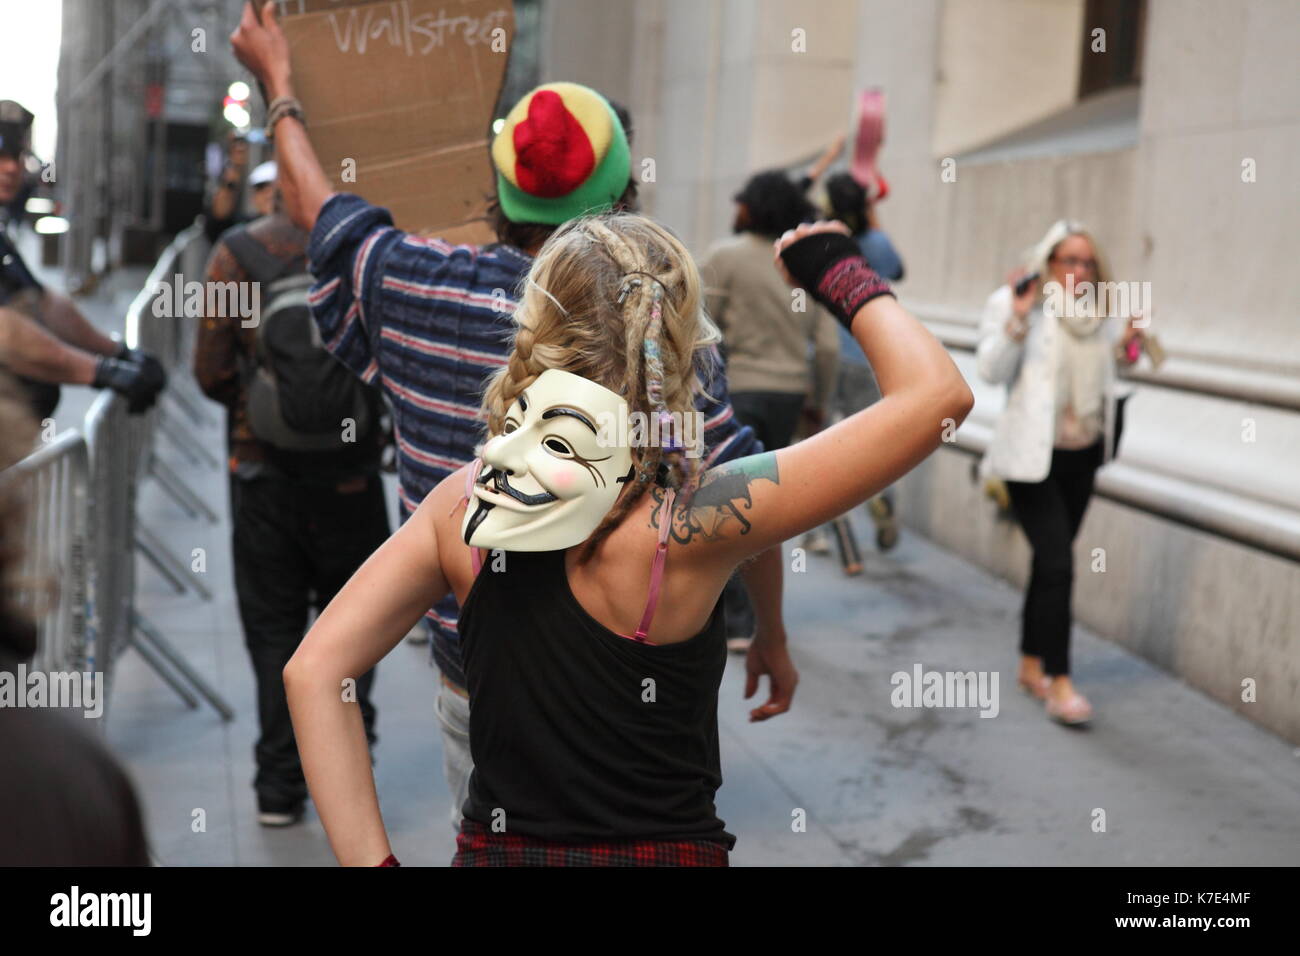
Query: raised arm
x=818 y=169
x=748 y=505
x=367 y=619
x=260 y=45
x=1003 y=327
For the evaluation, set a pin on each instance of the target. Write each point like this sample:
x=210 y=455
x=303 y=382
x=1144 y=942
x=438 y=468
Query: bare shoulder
x=443 y=512
x=443 y=505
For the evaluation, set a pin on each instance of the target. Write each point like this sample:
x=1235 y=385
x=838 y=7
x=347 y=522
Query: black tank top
x=577 y=733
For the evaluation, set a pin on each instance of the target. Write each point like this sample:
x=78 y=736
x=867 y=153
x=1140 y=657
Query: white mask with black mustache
x=556 y=469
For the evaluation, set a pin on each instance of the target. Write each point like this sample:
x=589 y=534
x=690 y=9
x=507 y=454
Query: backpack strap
x=258 y=261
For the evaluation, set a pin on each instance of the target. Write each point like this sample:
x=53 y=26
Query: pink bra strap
x=657 y=571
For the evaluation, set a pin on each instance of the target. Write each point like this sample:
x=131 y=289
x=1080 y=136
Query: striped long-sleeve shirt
x=430 y=322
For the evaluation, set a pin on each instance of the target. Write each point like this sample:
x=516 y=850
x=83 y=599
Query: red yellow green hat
x=562 y=153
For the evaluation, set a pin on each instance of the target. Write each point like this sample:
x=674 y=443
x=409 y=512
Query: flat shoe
x=1074 y=710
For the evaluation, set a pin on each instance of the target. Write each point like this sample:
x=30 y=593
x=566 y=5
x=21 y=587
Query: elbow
x=292 y=675
x=963 y=400
x=310 y=669
x=298 y=673
x=956 y=399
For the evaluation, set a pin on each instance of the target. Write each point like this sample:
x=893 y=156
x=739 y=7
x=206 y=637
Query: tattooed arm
x=753 y=503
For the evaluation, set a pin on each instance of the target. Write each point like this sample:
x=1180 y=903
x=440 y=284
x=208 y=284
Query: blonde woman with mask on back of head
x=1046 y=336
x=589 y=562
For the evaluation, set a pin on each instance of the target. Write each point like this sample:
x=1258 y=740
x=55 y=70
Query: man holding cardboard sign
x=431 y=320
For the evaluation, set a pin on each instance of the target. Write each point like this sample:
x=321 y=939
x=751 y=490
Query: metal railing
x=50 y=576
x=77 y=576
x=1272 y=386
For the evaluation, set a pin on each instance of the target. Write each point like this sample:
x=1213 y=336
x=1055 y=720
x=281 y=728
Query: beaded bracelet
x=280 y=108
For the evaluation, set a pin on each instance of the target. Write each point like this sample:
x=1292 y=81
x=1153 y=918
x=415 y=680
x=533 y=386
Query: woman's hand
x=262 y=47
x=792 y=236
x=1130 y=352
x=1021 y=304
x=769 y=654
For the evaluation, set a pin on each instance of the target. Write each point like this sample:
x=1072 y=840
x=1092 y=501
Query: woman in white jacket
x=1056 y=350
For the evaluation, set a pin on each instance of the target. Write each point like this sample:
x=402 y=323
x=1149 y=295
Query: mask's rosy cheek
x=566 y=480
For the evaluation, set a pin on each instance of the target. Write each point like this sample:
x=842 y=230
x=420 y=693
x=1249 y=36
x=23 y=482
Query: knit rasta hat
x=562 y=153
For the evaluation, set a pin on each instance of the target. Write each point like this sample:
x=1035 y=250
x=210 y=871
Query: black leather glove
x=139 y=382
x=830 y=266
x=141 y=357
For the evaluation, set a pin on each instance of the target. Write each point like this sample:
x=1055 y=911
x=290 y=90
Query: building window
x=1123 y=23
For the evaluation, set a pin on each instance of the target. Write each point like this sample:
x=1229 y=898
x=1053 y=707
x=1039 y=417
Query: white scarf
x=1083 y=351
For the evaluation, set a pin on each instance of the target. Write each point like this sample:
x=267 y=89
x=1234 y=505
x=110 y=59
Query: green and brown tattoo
x=718 y=507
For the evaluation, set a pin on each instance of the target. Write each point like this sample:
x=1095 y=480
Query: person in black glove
x=829 y=264
x=134 y=374
x=45 y=341
x=924 y=395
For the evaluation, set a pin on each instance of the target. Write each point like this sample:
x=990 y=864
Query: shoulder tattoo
x=719 y=505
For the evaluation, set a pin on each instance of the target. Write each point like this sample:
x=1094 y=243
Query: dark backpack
x=299 y=395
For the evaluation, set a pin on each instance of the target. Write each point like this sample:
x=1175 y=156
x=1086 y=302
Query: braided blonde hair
x=616 y=299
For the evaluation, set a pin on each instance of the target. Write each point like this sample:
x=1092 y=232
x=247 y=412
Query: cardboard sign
x=399 y=96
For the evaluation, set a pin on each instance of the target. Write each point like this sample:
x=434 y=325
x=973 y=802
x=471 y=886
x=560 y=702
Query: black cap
x=15 y=127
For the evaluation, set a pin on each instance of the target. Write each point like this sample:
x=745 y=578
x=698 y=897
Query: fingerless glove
x=830 y=266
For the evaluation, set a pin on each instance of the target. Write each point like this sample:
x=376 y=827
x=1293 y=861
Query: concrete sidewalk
x=1181 y=780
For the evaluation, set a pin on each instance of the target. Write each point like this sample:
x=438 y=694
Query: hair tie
x=649 y=275
x=628 y=286
x=549 y=296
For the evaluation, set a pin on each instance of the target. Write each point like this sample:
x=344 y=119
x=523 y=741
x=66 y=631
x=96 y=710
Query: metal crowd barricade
x=171 y=339
x=50 y=577
x=77 y=576
x=112 y=520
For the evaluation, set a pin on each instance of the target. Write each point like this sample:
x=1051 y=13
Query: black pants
x=774 y=416
x=1050 y=512
x=295 y=546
